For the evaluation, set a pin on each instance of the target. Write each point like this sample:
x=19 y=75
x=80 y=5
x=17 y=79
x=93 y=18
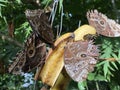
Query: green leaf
x=119 y=54
x=105 y=68
x=101 y=63
x=2 y=5
x=60 y=5
x=109 y=73
x=81 y=85
x=100 y=78
x=3 y=1
x=111 y=68
x=113 y=63
x=18 y=1
x=5 y=20
x=91 y=76
x=115 y=56
x=46 y=2
x=118 y=61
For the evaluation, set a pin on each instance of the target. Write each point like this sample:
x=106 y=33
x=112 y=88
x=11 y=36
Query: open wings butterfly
x=80 y=58
x=103 y=24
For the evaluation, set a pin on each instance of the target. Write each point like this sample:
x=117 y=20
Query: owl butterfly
x=80 y=58
x=33 y=55
x=40 y=24
x=103 y=24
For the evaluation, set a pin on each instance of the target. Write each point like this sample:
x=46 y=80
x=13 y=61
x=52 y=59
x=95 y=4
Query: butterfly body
x=103 y=24
x=80 y=59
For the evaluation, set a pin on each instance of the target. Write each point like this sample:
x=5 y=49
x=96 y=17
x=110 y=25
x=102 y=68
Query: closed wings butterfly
x=103 y=24
x=33 y=55
x=80 y=58
x=39 y=22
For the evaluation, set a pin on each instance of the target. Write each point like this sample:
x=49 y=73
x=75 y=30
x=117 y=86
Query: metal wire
x=61 y=21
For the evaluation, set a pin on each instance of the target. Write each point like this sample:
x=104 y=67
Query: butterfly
x=103 y=24
x=33 y=55
x=38 y=20
x=34 y=52
x=80 y=58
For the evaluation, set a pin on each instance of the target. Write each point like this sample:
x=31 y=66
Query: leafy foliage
x=10 y=82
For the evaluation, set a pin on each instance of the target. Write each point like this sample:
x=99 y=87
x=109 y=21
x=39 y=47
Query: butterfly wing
x=35 y=51
x=39 y=23
x=16 y=66
x=77 y=59
x=33 y=55
x=103 y=24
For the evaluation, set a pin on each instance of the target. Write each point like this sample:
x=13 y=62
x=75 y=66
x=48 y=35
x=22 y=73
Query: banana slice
x=54 y=62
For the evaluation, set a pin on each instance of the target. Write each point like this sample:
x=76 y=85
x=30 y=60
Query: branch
x=109 y=59
x=4 y=37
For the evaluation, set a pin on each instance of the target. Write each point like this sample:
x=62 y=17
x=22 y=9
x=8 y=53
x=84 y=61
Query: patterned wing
x=39 y=23
x=32 y=56
x=103 y=24
x=16 y=66
x=80 y=58
x=35 y=50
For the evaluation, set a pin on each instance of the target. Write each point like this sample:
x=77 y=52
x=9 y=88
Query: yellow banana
x=82 y=31
x=55 y=59
x=63 y=80
x=54 y=62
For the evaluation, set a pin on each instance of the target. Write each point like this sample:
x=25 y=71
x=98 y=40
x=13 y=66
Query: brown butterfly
x=33 y=55
x=103 y=24
x=40 y=24
x=80 y=58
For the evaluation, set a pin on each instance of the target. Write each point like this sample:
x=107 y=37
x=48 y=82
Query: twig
x=4 y=37
x=109 y=59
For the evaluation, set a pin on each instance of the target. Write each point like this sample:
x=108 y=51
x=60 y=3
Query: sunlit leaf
x=111 y=68
x=115 y=56
x=119 y=54
x=105 y=68
x=46 y=2
x=81 y=85
x=3 y=0
x=113 y=63
x=91 y=76
x=100 y=78
x=60 y=5
x=101 y=63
